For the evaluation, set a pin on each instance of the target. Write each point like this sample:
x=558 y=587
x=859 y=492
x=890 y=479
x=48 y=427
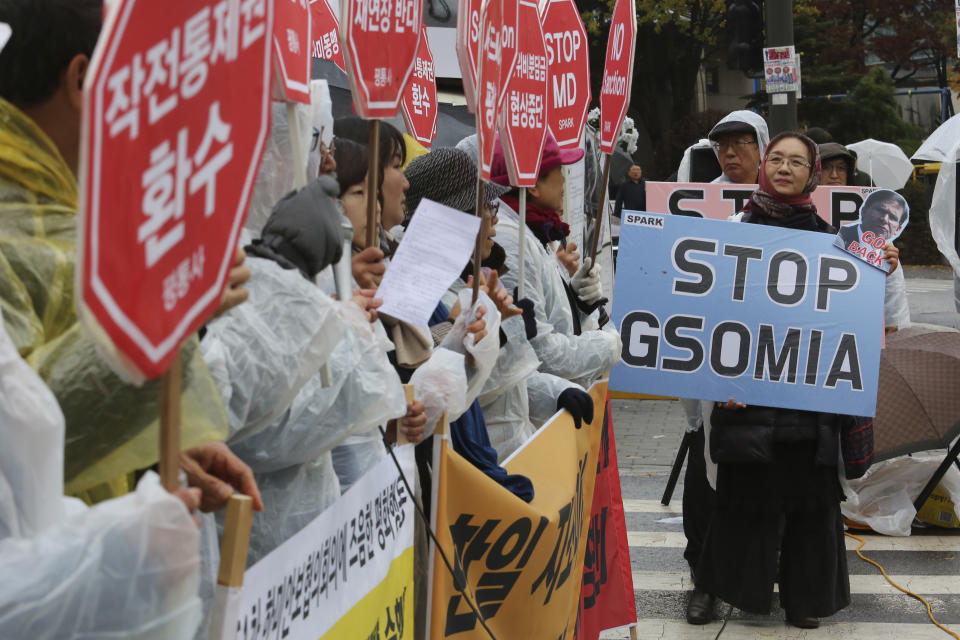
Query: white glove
x=586 y=282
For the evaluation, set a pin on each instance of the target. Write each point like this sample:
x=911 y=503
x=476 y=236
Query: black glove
x=578 y=403
x=529 y=317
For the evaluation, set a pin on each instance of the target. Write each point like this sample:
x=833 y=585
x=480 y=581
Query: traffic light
x=745 y=31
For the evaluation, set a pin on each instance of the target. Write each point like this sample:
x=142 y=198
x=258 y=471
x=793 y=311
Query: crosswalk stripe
x=648 y=628
x=868 y=584
x=676 y=540
x=650 y=506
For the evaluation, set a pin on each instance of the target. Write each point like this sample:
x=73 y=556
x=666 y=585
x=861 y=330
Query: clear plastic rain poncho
x=276 y=177
x=582 y=358
x=371 y=396
x=266 y=356
x=292 y=457
x=444 y=383
x=126 y=568
x=517 y=398
x=262 y=352
x=111 y=426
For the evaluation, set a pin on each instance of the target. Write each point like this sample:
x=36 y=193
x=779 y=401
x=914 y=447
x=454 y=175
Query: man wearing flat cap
x=739 y=140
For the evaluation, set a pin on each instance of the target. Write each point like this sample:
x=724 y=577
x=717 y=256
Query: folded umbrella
x=918 y=406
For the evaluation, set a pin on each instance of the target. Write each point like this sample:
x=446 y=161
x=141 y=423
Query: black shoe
x=803 y=622
x=700 y=607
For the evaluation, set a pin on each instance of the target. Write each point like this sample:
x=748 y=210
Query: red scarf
x=545 y=223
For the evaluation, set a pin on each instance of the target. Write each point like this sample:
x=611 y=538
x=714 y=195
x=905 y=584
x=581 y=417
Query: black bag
x=856 y=444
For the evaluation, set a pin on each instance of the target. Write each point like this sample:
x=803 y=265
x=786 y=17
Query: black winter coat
x=751 y=435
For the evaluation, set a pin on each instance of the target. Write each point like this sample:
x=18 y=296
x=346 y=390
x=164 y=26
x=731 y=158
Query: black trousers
x=803 y=551
x=699 y=500
x=777 y=522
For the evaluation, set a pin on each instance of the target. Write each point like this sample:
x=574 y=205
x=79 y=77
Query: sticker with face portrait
x=884 y=215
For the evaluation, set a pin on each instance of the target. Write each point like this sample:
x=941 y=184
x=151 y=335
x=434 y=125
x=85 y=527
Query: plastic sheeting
x=581 y=358
x=440 y=384
x=262 y=352
x=896 y=310
x=365 y=392
x=321 y=119
x=483 y=353
x=31 y=458
x=127 y=568
x=138 y=553
x=943 y=210
x=883 y=498
x=276 y=176
x=544 y=389
x=292 y=499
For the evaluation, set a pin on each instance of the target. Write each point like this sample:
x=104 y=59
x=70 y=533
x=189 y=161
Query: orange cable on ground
x=909 y=593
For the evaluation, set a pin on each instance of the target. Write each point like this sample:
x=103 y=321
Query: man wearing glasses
x=739 y=140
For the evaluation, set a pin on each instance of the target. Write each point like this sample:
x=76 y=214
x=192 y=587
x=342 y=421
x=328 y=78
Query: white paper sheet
x=435 y=248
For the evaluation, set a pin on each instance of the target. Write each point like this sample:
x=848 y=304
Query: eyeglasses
x=316 y=144
x=839 y=167
x=492 y=208
x=793 y=161
x=728 y=144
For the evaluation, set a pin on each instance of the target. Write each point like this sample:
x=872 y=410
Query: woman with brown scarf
x=778 y=493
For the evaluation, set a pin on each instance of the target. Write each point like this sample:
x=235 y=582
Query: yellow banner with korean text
x=521 y=563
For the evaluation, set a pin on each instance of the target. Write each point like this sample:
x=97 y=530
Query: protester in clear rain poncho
x=565 y=343
x=517 y=398
x=361 y=450
x=126 y=568
x=111 y=425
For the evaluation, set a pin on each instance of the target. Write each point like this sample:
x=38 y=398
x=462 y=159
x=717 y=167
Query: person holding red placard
x=565 y=342
x=40 y=110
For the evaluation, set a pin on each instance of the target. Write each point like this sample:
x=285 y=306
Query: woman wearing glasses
x=777 y=517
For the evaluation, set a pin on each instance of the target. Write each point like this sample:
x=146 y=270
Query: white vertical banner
x=347 y=574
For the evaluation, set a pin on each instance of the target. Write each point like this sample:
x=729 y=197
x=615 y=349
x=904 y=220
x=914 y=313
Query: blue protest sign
x=776 y=317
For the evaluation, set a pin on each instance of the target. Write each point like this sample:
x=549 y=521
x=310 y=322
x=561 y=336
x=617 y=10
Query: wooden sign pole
x=401 y=437
x=522 y=239
x=601 y=199
x=478 y=245
x=171 y=385
x=373 y=183
x=233 y=564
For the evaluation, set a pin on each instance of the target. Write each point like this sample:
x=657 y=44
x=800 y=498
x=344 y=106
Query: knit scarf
x=545 y=223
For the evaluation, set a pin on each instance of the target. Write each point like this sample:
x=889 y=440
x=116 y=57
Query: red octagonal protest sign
x=468 y=37
x=380 y=40
x=568 y=93
x=509 y=16
x=419 y=103
x=325 y=33
x=523 y=129
x=176 y=115
x=617 y=73
x=490 y=92
x=291 y=43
